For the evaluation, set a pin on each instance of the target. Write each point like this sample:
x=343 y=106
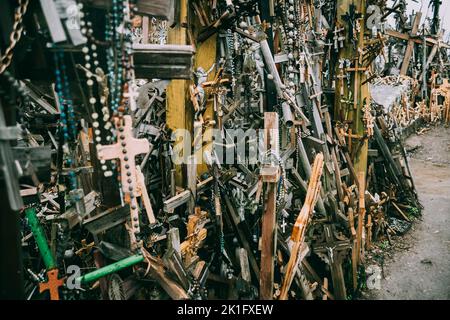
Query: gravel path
x=421 y=269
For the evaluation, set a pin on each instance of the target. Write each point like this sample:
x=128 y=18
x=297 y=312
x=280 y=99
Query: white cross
x=283 y=225
x=132 y=95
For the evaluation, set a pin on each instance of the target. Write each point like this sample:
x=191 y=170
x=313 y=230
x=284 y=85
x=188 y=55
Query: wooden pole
x=269 y=174
x=357 y=90
x=410 y=46
x=361 y=216
x=177 y=91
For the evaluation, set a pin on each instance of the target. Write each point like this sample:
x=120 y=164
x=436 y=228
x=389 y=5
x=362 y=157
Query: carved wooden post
x=270 y=175
x=350 y=14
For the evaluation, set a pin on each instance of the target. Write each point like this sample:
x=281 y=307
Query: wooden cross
x=338 y=38
x=412 y=39
x=142 y=193
x=217 y=81
x=341 y=78
x=445 y=88
x=196 y=234
x=333 y=252
x=410 y=46
x=52 y=284
x=348 y=101
x=299 y=230
x=429 y=41
x=126 y=149
x=216 y=88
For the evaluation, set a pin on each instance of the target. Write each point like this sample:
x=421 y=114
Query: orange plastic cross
x=52 y=284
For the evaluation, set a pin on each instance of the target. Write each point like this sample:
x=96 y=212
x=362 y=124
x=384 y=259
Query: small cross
x=126 y=149
x=52 y=284
x=283 y=225
x=132 y=96
x=142 y=192
x=338 y=39
x=351 y=18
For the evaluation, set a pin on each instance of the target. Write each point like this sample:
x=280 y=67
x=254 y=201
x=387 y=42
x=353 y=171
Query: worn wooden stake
x=268 y=226
x=361 y=213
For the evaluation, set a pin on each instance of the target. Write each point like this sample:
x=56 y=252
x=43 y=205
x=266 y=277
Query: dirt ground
x=417 y=266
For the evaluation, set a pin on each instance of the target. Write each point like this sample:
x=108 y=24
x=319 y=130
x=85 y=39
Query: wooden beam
x=301 y=223
x=268 y=228
x=428 y=40
x=358 y=90
x=361 y=214
x=176 y=93
x=410 y=46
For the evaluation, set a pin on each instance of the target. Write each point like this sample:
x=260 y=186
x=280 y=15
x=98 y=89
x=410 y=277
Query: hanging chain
x=16 y=33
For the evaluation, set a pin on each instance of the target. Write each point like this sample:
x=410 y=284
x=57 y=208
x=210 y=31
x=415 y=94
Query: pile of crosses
x=205 y=149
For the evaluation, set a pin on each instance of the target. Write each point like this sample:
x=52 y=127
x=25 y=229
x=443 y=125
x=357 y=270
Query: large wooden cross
x=429 y=41
x=126 y=149
x=410 y=46
x=436 y=43
x=412 y=39
x=333 y=252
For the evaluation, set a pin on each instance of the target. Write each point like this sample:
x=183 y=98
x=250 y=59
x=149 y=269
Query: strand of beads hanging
x=115 y=57
x=131 y=90
x=92 y=64
x=71 y=176
x=109 y=32
x=95 y=74
x=128 y=40
x=289 y=30
x=67 y=115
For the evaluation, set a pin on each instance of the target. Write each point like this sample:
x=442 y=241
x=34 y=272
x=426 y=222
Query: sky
x=422 y=5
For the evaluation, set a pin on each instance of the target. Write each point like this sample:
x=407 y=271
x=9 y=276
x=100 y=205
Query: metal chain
x=16 y=33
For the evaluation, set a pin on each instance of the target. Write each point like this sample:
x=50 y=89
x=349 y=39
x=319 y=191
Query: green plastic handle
x=112 y=268
x=40 y=238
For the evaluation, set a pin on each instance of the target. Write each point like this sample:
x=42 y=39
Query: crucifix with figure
x=126 y=149
x=333 y=253
x=352 y=18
